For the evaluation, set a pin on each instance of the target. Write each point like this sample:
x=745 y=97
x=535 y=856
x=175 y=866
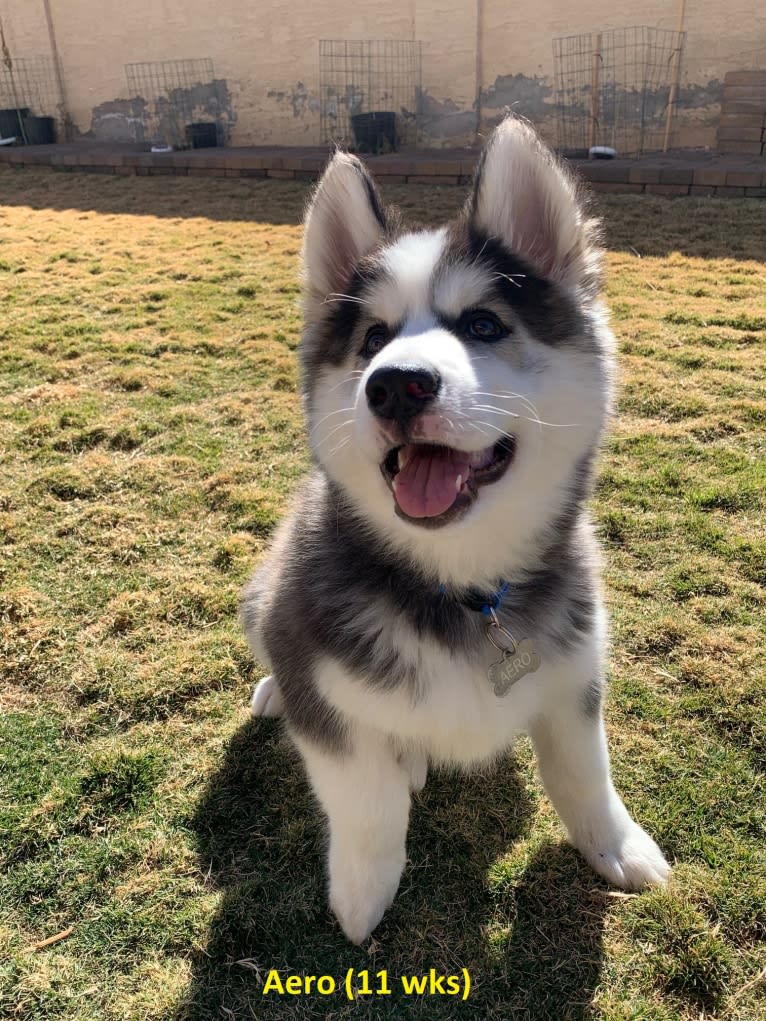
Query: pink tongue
x=427 y=484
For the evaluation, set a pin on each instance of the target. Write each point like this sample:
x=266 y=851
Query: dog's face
x=456 y=380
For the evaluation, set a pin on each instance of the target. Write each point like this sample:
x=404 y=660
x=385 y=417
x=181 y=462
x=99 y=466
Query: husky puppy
x=435 y=591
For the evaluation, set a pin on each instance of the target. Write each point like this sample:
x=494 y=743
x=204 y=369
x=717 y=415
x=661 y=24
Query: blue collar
x=481 y=602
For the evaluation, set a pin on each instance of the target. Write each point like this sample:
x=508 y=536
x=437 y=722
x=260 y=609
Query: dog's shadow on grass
x=532 y=944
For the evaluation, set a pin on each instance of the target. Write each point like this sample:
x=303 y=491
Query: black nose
x=401 y=391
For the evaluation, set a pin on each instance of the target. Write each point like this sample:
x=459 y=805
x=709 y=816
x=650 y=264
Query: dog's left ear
x=345 y=221
x=525 y=199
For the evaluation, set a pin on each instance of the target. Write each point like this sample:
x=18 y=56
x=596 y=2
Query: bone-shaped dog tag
x=514 y=665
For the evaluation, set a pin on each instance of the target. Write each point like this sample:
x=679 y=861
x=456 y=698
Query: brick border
x=721 y=177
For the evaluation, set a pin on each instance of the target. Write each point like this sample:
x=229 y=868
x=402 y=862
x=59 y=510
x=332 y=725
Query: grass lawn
x=150 y=436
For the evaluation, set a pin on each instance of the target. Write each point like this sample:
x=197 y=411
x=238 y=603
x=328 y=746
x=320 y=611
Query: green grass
x=150 y=437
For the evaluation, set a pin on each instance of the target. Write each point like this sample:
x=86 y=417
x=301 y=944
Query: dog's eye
x=375 y=340
x=483 y=325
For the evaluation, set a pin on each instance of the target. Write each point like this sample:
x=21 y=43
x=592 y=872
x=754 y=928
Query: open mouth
x=434 y=485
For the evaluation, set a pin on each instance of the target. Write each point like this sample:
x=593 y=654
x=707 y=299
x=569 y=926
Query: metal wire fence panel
x=613 y=88
x=174 y=94
x=29 y=84
x=366 y=76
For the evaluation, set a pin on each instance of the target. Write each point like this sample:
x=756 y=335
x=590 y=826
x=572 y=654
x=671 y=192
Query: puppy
x=434 y=591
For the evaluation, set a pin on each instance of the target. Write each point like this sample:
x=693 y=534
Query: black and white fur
x=366 y=616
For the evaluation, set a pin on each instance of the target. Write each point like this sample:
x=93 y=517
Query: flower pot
x=375 y=132
x=40 y=130
x=203 y=135
x=11 y=122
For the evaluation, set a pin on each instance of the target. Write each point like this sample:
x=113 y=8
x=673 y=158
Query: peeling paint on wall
x=119 y=120
x=701 y=95
x=165 y=119
x=530 y=97
x=698 y=113
x=300 y=99
x=443 y=121
x=208 y=101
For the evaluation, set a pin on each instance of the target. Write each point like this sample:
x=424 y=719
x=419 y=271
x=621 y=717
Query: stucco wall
x=266 y=55
x=719 y=38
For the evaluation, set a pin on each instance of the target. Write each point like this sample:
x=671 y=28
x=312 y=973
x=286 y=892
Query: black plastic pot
x=40 y=130
x=573 y=154
x=202 y=135
x=10 y=125
x=375 y=132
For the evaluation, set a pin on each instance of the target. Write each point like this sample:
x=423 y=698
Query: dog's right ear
x=345 y=221
x=523 y=197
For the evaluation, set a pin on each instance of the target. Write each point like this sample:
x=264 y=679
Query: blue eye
x=375 y=340
x=483 y=325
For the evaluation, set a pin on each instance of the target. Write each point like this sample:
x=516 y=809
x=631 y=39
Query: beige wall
x=719 y=38
x=267 y=53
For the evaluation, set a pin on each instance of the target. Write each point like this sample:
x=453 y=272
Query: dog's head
x=457 y=380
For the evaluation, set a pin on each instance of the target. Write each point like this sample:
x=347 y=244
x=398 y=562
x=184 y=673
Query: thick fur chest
x=446 y=703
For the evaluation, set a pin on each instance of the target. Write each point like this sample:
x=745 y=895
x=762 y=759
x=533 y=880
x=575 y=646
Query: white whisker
x=481 y=251
x=331 y=414
x=509 y=394
x=334 y=296
x=339 y=446
x=332 y=432
x=352 y=375
x=490 y=436
x=495 y=411
x=526 y=418
x=498 y=393
x=477 y=425
x=510 y=277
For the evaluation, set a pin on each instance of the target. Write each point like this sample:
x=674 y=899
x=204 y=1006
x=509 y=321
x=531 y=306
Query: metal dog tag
x=518 y=659
x=513 y=666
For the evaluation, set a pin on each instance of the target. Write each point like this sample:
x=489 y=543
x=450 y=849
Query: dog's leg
x=415 y=763
x=365 y=793
x=570 y=742
x=267 y=698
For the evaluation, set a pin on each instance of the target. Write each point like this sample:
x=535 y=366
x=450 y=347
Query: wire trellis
x=364 y=76
x=29 y=84
x=613 y=88
x=176 y=93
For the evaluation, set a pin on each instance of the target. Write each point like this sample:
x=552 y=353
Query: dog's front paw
x=360 y=893
x=267 y=698
x=627 y=857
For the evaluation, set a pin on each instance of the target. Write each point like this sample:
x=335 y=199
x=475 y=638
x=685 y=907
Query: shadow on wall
x=533 y=946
